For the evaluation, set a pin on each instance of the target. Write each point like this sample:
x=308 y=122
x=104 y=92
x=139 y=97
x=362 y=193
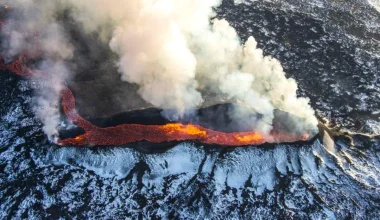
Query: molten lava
x=130 y=133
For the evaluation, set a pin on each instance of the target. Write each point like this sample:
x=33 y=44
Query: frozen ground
x=330 y=47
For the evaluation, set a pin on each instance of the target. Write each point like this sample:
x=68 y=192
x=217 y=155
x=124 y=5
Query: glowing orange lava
x=130 y=133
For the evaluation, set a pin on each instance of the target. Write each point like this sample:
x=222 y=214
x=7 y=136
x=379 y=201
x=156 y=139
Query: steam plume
x=176 y=54
x=34 y=31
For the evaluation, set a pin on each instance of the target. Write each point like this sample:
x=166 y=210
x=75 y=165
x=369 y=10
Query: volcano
x=109 y=111
x=211 y=128
x=130 y=133
x=61 y=85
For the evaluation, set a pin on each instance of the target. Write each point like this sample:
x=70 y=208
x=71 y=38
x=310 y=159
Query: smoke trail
x=33 y=30
x=176 y=55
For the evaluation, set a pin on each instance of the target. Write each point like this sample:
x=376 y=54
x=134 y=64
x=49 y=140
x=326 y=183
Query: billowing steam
x=37 y=33
x=172 y=50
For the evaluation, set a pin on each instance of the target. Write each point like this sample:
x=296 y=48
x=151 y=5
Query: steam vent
x=189 y=109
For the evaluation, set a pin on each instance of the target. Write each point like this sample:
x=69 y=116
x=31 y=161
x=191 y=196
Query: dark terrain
x=332 y=50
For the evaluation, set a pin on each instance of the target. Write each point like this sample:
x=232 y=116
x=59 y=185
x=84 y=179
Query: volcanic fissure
x=131 y=133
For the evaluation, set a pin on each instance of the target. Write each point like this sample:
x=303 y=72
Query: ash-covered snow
x=336 y=64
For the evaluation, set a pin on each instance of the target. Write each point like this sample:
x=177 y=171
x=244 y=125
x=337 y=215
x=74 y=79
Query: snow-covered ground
x=336 y=65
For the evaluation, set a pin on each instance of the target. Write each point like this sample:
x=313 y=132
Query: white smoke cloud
x=174 y=53
x=34 y=31
x=47 y=106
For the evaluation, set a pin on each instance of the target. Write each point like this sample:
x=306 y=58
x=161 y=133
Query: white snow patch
x=116 y=162
x=375 y=4
x=255 y=165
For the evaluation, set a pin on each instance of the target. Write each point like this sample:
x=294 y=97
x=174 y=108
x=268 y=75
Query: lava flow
x=130 y=133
